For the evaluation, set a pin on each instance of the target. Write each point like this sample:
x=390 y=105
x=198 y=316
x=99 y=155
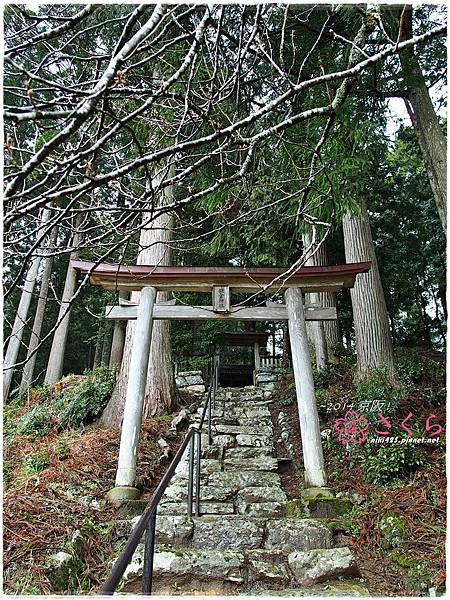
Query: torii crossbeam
x=220 y=281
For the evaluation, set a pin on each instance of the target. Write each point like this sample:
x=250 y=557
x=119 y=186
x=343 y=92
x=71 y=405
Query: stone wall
x=268 y=376
x=190 y=381
x=266 y=379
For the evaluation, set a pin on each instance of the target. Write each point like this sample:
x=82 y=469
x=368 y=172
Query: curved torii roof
x=203 y=279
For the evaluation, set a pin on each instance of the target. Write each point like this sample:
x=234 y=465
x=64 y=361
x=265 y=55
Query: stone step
x=261 y=508
x=238 y=480
x=261 y=501
x=240 y=404
x=241 y=397
x=247 y=453
x=345 y=588
x=224 y=486
x=241 y=401
x=237 y=392
x=230 y=440
x=231 y=460
x=243 y=421
x=243 y=541
x=177 y=492
x=252 y=414
x=261 y=462
x=243 y=531
x=206 y=508
x=259 y=429
x=235 y=533
x=185 y=564
x=208 y=466
x=292 y=534
x=239 y=411
x=320 y=564
x=249 y=570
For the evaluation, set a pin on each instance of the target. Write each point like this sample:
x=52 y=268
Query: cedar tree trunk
x=372 y=333
x=35 y=338
x=160 y=393
x=56 y=358
x=420 y=108
x=21 y=318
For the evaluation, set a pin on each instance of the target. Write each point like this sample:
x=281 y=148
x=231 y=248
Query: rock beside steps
x=243 y=541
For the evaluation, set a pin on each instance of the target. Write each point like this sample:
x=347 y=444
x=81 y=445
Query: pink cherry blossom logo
x=351 y=428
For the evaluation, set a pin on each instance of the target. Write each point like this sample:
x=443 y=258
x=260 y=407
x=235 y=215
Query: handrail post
x=148 y=555
x=191 y=476
x=210 y=440
x=215 y=382
x=125 y=556
x=197 y=474
x=147 y=522
x=217 y=370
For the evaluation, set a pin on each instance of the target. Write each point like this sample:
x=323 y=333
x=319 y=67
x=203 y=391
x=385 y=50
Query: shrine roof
x=243 y=338
x=202 y=279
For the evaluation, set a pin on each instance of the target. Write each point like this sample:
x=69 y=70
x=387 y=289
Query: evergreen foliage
x=71 y=406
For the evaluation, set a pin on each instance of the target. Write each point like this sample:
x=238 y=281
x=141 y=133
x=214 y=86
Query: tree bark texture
x=56 y=358
x=326 y=335
x=118 y=339
x=98 y=348
x=373 y=337
x=160 y=393
x=21 y=318
x=35 y=338
x=19 y=325
x=286 y=345
x=107 y=342
x=430 y=134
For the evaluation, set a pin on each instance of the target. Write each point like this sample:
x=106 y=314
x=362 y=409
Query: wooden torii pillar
x=304 y=387
x=134 y=400
x=150 y=279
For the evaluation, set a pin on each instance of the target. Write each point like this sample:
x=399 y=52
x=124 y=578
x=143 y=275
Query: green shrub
x=331 y=443
x=323 y=377
x=38 y=421
x=7 y=473
x=393 y=530
x=286 y=400
x=9 y=421
x=82 y=403
x=391 y=462
x=413 y=368
x=378 y=391
x=35 y=463
x=71 y=406
x=62 y=448
x=341 y=352
x=20 y=395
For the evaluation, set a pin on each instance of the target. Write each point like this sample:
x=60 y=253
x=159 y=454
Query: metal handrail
x=147 y=522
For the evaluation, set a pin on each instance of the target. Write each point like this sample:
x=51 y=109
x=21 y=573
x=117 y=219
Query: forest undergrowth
x=58 y=470
x=397 y=524
x=56 y=475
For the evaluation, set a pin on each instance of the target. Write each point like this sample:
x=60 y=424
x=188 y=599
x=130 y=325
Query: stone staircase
x=243 y=541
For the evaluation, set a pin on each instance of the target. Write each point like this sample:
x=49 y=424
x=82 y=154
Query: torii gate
x=219 y=281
